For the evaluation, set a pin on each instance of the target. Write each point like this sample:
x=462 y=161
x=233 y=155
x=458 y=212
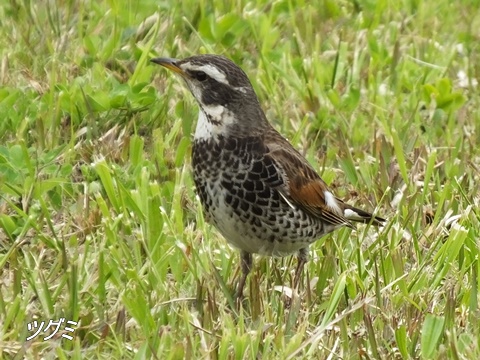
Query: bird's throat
x=212 y=122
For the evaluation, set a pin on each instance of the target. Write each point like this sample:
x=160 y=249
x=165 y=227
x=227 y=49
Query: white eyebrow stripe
x=210 y=70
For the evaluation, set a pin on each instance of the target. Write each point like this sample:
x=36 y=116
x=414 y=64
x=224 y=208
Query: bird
x=261 y=194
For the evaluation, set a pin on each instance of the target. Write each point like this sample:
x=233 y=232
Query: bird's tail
x=358 y=215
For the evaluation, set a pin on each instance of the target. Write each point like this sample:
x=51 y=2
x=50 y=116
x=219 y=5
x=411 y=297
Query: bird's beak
x=169 y=63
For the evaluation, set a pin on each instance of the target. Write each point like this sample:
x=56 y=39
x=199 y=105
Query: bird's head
x=222 y=90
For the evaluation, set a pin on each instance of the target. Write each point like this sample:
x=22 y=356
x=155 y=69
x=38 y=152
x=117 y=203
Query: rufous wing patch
x=304 y=187
x=311 y=196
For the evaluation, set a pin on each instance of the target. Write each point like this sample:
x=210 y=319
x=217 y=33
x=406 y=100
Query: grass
x=99 y=222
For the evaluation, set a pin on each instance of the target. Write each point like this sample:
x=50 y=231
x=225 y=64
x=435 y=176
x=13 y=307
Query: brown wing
x=304 y=186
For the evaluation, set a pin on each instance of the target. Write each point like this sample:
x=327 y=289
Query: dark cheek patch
x=215 y=93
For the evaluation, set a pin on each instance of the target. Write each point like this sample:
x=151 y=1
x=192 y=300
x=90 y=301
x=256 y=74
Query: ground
x=100 y=225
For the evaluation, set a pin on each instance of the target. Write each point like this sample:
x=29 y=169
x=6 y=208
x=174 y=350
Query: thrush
x=255 y=188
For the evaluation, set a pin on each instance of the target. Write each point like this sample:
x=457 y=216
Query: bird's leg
x=302 y=260
x=246 y=265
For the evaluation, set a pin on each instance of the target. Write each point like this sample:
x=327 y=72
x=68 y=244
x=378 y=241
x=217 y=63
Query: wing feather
x=304 y=188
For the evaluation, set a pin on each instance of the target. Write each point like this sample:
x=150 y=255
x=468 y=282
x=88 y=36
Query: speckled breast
x=239 y=189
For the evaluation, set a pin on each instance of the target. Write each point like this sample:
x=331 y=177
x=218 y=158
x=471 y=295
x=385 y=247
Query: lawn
x=100 y=226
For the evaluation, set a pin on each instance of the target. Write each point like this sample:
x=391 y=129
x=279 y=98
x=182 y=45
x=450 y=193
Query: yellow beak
x=169 y=63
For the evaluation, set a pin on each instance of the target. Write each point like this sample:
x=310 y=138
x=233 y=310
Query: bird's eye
x=200 y=76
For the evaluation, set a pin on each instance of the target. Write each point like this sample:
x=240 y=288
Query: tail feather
x=358 y=215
